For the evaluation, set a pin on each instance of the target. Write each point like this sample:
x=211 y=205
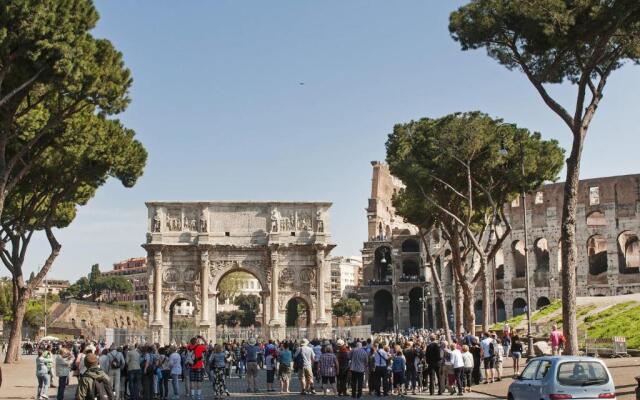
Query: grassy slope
x=621 y=319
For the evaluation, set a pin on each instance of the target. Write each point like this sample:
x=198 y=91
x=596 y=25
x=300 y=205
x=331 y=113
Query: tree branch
x=549 y=101
x=24 y=85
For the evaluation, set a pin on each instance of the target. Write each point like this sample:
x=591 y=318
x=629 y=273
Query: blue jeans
x=43 y=386
x=134 y=378
x=62 y=384
x=175 y=380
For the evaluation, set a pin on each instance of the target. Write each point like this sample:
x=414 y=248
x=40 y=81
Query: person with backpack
x=94 y=383
x=381 y=377
x=134 y=373
x=195 y=357
x=487 y=346
x=165 y=373
x=304 y=358
x=148 y=362
x=116 y=363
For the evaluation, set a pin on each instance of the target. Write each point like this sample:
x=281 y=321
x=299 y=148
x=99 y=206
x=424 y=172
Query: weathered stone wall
x=93 y=318
x=608 y=219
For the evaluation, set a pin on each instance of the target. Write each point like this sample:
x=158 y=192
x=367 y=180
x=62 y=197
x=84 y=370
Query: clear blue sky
x=218 y=105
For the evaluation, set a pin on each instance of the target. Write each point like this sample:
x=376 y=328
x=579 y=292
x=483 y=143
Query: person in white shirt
x=381 y=357
x=499 y=350
x=457 y=363
x=467 y=357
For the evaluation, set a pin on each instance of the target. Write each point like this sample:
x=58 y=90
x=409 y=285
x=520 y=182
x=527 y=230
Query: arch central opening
x=239 y=301
x=182 y=320
x=298 y=313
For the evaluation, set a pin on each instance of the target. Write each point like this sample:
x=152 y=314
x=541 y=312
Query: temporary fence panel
x=352 y=332
x=620 y=347
x=122 y=337
x=238 y=334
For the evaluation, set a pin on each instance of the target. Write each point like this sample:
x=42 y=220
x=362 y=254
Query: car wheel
x=510 y=396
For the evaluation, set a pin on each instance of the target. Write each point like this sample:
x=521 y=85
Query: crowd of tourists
x=386 y=364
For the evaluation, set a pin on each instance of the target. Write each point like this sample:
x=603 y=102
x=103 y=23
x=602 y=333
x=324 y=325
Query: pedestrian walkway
x=19 y=382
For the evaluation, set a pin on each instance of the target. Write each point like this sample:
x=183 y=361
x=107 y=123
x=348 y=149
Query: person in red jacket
x=197 y=350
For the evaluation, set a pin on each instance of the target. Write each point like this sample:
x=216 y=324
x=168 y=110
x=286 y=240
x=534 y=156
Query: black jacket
x=432 y=354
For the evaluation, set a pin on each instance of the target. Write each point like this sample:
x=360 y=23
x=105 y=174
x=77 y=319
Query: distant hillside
x=91 y=319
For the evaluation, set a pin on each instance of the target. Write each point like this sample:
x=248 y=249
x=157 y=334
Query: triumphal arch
x=191 y=246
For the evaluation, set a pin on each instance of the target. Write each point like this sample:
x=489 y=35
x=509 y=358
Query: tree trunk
x=459 y=311
x=15 y=339
x=486 y=300
x=469 y=312
x=441 y=300
x=569 y=248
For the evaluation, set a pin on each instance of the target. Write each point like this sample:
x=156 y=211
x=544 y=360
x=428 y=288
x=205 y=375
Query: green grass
x=546 y=311
x=513 y=322
x=608 y=312
x=584 y=310
x=622 y=319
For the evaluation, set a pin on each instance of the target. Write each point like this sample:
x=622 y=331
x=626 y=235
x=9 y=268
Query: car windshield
x=582 y=373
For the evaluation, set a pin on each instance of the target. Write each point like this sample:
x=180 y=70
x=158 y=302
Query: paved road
x=20 y=383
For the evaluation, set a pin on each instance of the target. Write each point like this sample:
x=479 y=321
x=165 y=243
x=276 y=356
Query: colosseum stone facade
x=396 y=287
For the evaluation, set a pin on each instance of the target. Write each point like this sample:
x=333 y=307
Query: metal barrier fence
x=121 y=337
x=614 y=347
x=238 y=334
x=352 y=332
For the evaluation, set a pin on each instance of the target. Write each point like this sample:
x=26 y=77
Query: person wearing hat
x=87 y=386
x=342 y=354
x=307 y=357
x=251 y=351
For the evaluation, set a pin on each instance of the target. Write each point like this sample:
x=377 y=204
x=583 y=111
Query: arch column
x=213 y=327
x=204 y=290
x=275 y=312
x=157 y=288
x=320 y=275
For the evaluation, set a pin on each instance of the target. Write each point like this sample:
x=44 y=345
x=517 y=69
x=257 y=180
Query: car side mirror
x=519 y=377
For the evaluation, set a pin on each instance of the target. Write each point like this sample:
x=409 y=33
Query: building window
x=515 y=202
x=594 y=196
x=539 y=198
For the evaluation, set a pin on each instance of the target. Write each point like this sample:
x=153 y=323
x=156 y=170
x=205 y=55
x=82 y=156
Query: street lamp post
x=530 y=352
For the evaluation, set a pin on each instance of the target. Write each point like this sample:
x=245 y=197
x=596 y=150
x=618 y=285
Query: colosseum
x=396 y=289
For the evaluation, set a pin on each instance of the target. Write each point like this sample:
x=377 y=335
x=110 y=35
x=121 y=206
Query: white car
x=563 y=377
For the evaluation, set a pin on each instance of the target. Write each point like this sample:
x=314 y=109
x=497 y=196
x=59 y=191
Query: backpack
x=298 y=361
x=492 y=350
x=102 y=390
x=115 y=362
x=189 y=359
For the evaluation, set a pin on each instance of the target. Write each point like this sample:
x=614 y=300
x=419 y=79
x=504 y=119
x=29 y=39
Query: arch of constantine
x=191 y=246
